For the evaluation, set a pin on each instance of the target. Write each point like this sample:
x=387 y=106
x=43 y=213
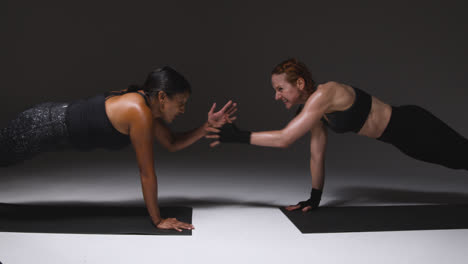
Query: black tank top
x=351 y=119
x=90 y=128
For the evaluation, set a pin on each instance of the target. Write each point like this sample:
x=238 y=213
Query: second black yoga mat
x=87 y=219
x=380 y=218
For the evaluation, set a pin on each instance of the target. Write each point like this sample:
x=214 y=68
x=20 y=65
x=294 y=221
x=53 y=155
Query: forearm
x=317 y=172
x=276 y=138
x=185 y=139
x=150 y=194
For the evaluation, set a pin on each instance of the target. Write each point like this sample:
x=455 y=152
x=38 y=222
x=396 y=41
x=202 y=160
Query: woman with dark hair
x=343 y=108
x=114 y=120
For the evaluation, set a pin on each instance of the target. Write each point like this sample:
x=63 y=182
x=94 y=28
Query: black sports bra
x=351 y=119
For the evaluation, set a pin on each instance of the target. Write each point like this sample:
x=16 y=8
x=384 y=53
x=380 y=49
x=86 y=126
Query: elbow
x=285 y=140
x=172 y=149
x=171 y=145
x=285 y=143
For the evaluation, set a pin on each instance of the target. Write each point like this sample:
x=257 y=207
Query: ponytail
x=163 y=79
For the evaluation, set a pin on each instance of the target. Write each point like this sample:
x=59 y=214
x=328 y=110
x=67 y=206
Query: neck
x=304 y=97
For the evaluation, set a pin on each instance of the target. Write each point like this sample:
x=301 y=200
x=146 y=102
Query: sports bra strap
x=144 y=97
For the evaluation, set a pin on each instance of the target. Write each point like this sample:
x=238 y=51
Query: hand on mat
x=298 y=206
x=223 y=116
x=172 y=223
x=310 y=204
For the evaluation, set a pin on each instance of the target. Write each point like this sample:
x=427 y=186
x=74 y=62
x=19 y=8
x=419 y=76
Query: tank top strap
x=144 y=97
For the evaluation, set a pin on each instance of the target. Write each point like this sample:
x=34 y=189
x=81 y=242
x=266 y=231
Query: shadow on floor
x=356 y=194
x=209 y=202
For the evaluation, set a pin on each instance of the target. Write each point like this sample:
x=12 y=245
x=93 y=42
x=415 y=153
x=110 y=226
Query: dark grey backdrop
x=403 y=52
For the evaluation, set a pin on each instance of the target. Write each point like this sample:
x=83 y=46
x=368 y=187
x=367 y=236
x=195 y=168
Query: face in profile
x=289 y=93
x=174 y=106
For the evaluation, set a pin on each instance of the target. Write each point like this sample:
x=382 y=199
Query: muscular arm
x=318 y=143
x=176 y=141
x=141 y=136
x=314 y=109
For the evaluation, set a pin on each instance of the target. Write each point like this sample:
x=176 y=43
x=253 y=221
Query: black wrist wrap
x=231 y=134
x=314 y=200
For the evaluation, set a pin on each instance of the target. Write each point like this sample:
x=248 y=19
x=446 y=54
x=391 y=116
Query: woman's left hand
x=223 y=116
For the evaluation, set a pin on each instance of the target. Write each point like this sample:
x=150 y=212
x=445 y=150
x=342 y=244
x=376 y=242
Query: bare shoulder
x=127 y=109
x=339 y=96
x=136 y=107
x=133 y=98
x=322 y=98
x=127 y=102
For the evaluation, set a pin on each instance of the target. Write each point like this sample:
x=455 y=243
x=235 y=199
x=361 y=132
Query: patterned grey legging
x=40 y=128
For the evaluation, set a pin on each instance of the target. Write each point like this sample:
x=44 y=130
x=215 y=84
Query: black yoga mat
x=87 y=219
x=380 y=218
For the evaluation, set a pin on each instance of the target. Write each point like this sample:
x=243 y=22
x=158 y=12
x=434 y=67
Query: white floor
x=234 y=214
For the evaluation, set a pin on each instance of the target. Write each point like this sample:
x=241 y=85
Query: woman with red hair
x=344 y=108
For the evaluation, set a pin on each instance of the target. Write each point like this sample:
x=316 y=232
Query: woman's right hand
x=223 y=116
x=173 y=223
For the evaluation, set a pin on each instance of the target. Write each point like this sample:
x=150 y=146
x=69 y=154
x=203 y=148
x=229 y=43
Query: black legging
x=419 y=134
x=40 y=128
